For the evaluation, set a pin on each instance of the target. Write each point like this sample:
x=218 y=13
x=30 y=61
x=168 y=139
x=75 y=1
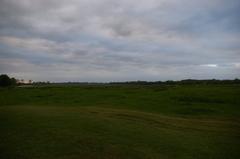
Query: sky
x=127 y=40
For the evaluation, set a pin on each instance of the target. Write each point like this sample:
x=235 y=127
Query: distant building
x=22 y=81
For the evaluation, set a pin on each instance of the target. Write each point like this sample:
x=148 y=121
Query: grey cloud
x=119 y=40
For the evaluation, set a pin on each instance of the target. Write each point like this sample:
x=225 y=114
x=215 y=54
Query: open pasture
x=120 y=121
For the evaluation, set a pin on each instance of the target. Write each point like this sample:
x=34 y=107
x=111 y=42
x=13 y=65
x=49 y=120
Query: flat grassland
x=120 y=122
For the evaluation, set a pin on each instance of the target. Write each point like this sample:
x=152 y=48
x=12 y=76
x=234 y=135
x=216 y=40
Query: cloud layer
x=108 y=40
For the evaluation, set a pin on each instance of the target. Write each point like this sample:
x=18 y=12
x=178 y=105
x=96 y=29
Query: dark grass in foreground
x=191 y=121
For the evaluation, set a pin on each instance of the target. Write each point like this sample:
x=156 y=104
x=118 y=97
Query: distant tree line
x=183 y=82
x=6 y=81
x=41 y=83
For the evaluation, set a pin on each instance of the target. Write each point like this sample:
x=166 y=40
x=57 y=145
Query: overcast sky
x=109 y=40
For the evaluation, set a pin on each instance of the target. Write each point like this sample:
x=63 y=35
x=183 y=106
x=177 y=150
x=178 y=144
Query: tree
x=13 y=81
x=5 y=81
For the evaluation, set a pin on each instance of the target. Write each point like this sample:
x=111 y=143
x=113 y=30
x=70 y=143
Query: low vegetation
x=167 y=121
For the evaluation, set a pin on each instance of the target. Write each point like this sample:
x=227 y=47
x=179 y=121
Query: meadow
x=120 y=122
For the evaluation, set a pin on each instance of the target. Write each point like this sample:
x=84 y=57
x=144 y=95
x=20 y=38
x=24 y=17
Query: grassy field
x=120 y=122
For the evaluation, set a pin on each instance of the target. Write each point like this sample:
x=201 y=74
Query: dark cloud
x=90 y=40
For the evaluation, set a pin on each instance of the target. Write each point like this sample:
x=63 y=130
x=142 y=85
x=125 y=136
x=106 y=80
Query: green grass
x=101 y=122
